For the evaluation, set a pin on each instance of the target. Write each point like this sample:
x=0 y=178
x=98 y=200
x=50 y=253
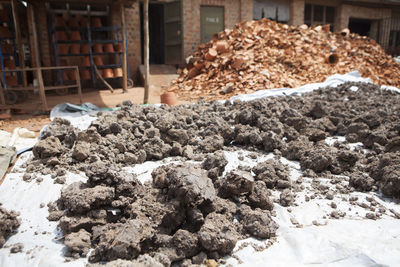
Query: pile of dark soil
x=9 y=222
x=191 y=212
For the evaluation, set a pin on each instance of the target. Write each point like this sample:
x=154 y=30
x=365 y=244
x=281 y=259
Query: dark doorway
x=360 y=26
x=156 y=32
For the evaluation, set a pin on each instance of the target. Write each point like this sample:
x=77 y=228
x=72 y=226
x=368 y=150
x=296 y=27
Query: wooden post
x=18 y=39
x=146 y=52
x=124 y=61
x=35 y=43
x=41 y=89
x=2 y=97
x=78 y=83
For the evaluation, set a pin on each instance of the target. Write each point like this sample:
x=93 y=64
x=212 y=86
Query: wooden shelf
x=93 y=42
x=88 y=54
x=46 y=88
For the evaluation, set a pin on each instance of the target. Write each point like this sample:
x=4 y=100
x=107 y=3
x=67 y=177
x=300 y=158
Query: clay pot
x=97 y=48
x=96 y=22
x=62 y=49
x=60 y=22
x=98 y=61
x=85 y=62
x=5 y=32
x=10 y=64
x=7 y=49
x=118 y=72
x=85 y=49
x=75 y=36
x=118 y=48
x=12 y=81
x=108 y=73
x=61 y=36
x=75 y=49
x=65 y=76
x=73 y=22
x=109 y=48
x=4 y=15
x=63 y=62
x=83 y=22
x=169 y=98
x=71 y=75
x=85 y=74
x=101 y=73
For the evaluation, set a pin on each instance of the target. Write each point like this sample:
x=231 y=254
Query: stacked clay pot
x=60 y=22
x=118 y=72
x=85 y=74
x=96 y=22
x=97 y=48
x=9 y=64
x=85 y=62
x=75 y=49
x=12 y=81
x=63 y=49
x=85 y=49
x=7 y=48
x=75 y=36
x=118 y=47
x=73 y=22
x=83 y=21
x=61 y=36
x=109 y=48
x=98 y=61
x=108 y=73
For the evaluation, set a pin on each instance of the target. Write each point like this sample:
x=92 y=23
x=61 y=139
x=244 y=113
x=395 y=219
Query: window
x=394 y=38
x=316 y=14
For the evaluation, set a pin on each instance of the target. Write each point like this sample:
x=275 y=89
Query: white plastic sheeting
x=351 y=241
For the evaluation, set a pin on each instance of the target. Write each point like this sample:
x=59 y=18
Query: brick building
x=178 y=27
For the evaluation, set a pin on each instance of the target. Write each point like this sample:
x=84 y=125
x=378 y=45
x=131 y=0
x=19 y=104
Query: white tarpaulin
x=350 y=241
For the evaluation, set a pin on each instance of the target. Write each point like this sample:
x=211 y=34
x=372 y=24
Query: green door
x=212 y=21
x=173 y=32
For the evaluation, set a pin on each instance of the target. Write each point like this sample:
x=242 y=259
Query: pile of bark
x=263 y=54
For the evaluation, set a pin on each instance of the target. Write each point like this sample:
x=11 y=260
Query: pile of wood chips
x=258 y=55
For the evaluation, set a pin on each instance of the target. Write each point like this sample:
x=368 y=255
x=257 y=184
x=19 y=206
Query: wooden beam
x=41 y=90
x=78 y=82
x=35 y=42
x=146 y=52
x=124 y=59
x=18 y=40
x=2 y=97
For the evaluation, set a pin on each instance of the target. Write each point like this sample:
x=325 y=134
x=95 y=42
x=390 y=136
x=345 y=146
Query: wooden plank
x=46 y=88
x=36 y=59
x=146 y=52
x=18 y=40
x=78 y=82
x=41 y=90
x=2 y=97
x=124 y=60
x=102 y=79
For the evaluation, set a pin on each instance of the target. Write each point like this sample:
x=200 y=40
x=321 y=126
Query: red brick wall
x=132 y=20
x=43 y=33
x=234 y=10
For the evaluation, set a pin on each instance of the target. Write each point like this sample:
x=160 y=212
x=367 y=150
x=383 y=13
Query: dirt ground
x=160 y=78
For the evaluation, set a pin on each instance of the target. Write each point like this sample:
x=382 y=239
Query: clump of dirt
x=200 y=207
x=175 y=218
x=9 y=223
